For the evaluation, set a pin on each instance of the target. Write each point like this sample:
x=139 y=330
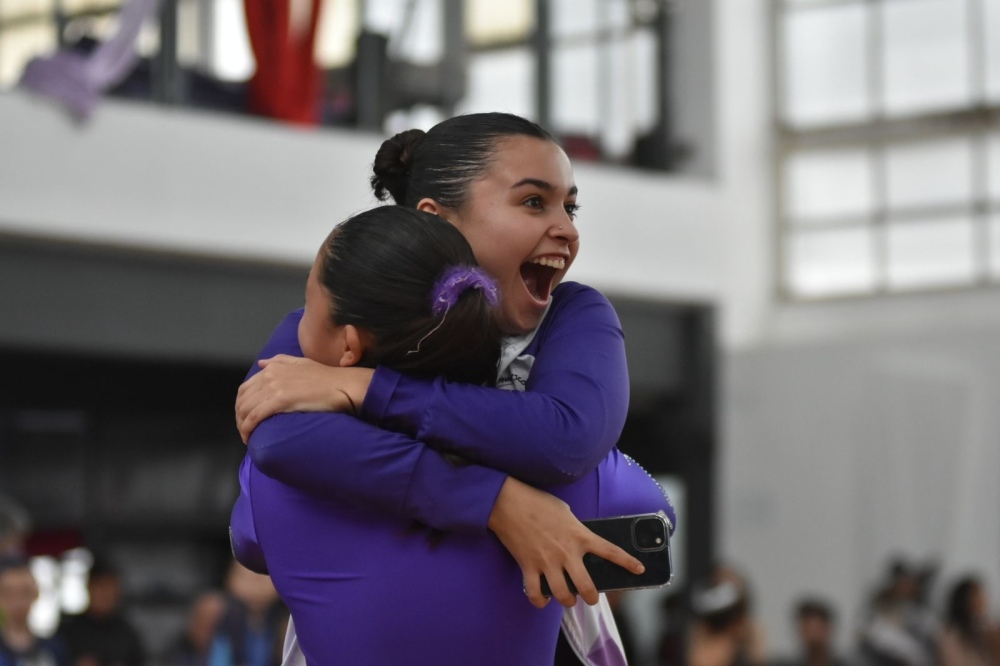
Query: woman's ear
x=428 y=205
x=356 y=342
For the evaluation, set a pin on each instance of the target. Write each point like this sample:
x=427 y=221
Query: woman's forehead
x=523 y=158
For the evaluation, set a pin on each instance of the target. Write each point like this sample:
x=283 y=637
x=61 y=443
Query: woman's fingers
x=545 y=538
x=582 y=581
x=560 y=588
x=533 y=588
x=609 y=551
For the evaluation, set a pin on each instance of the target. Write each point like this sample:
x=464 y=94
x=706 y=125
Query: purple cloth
x=332 y=510
x=77 y=80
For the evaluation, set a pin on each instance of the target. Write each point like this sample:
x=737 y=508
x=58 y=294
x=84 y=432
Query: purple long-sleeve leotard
x=328 y=500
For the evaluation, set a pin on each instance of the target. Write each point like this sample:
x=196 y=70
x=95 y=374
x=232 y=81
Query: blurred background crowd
x=909 y=618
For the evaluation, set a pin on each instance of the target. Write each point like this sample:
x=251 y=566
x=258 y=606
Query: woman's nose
x=566 y=230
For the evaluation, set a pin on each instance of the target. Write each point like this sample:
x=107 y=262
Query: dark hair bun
x=392 y=165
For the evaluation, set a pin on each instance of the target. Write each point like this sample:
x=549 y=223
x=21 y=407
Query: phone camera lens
x=649 y=534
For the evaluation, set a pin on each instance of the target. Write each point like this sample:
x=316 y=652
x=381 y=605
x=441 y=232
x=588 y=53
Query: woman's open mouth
x=539 y=274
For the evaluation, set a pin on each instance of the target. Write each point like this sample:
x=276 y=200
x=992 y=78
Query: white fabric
x=589 y=627
x=291 y=653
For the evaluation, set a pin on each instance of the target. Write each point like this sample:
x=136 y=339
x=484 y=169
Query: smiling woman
x=509 y=188
x=509 y=215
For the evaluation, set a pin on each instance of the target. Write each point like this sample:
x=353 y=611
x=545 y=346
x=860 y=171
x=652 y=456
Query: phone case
x=608 y=575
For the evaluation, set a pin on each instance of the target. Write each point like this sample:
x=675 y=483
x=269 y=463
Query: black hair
x=958 y=613
x=441 y=163
x=103 y=566
x=380 y=267
x=814 y=607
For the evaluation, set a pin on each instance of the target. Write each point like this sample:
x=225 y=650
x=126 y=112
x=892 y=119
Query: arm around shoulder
x=557 y=430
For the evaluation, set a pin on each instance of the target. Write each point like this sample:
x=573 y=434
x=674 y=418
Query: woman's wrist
x=353 y=388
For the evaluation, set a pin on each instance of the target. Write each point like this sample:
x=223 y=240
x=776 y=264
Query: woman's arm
x=557 y=430
x=339 y=456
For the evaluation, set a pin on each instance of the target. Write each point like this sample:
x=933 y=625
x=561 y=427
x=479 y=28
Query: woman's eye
x=572 y=210
x=533 y=202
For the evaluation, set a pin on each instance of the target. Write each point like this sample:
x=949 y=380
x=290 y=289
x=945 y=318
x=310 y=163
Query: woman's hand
x=545 y=538
x=294 y=384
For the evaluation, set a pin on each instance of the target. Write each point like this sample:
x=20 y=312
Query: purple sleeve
x=341 y=457
x=557 y=430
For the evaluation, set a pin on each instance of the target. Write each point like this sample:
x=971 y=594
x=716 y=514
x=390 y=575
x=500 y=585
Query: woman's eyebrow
x=541 y=184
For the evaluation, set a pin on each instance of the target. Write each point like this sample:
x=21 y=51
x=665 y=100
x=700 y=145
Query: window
x=888 y=148
x=586 y=69
x=593 y=71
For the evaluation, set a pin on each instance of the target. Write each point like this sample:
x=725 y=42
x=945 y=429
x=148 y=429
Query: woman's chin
x=525 y=317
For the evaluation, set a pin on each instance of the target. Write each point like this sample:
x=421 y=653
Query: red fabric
x=52 y=542
x=287 y=84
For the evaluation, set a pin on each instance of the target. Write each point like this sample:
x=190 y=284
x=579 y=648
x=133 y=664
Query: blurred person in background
x=251 y=627
x=814 y=620
x=901 y=628
x=724 y=632
x=965 y=640
x=194 y=645
x=19 y=646
x=15 y=525
x=102 y=635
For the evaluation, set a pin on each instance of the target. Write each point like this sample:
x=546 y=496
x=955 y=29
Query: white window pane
x=929 y=173
x=501 y=81
x=831 y=262
x=19 y=45
x=416 y=36
x=382 y=16
x=232 y=57
x=828 y=184
x=991 y=43
x=645 y=110
x=572 y=17
x=16 y=8
x=824 y=67
x=422 y=41
x=616 y=14
x=489 y=21
x=189 y=40
x=73 y=6
x=575 y=90
x=148 y=42
x=337 y=33
x=616 y=111
x=994 y=240
x=930 y=253
x=926 y=55
x=103 y=27
x=994 y=167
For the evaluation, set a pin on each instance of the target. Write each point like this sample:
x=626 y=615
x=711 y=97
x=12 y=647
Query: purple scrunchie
x=455 y=280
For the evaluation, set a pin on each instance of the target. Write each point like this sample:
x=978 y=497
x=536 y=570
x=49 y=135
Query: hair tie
x=453 y=283
x=450 y=287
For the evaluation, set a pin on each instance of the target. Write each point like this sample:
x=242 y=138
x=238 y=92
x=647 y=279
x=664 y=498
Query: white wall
x=852 y=430
x=214 y=185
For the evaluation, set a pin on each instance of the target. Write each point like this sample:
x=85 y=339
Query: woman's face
x=18 y=591
x=318 y=336
x=518 y=218
x=978 y=604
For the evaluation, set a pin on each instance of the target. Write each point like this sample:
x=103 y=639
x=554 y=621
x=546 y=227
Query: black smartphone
x=644 y=536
